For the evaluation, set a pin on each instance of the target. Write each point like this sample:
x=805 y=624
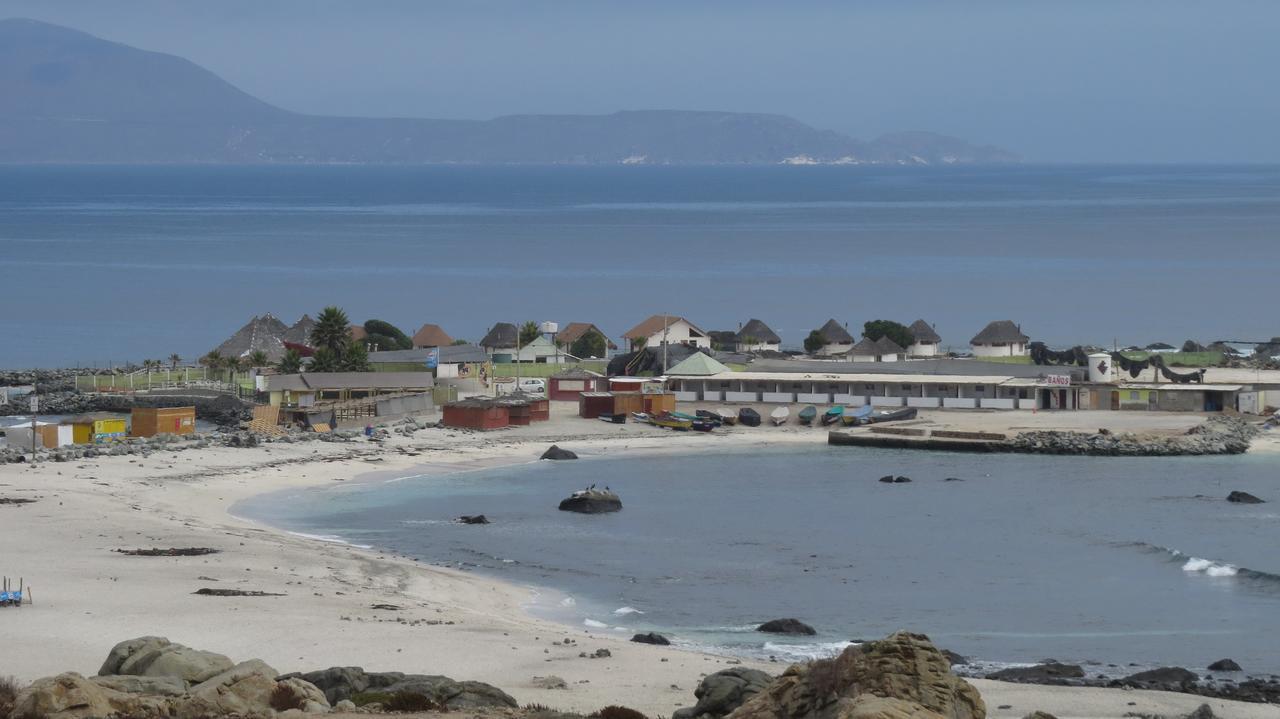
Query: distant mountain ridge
x=68 y=96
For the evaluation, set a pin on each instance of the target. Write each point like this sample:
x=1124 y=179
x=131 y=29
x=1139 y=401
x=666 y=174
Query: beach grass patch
x=613 y=711
x=8 y=694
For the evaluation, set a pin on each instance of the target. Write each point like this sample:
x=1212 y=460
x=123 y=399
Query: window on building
x=979 y=389
x=1133 y=395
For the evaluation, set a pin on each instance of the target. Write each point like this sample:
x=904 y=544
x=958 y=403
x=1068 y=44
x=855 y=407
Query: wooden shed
x=150 y=421
x=520 y=413
x=659 y=402
x=480 y=414
x=627 y=402
x=96 y=428
x=540 y=410
x=593 y=404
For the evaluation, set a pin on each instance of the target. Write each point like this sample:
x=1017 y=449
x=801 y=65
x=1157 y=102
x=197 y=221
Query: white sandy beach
x=88 y=597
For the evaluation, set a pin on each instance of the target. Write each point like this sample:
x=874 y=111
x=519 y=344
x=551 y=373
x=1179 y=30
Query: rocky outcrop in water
x=1217 y=435
x=901 y=676
x=1047 y=673
x=1244 y=498
x=592 y=501
x=556 y=452
x=651 y=638
x=787 y=626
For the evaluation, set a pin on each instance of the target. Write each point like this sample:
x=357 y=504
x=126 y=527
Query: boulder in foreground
x=721 y=693
x=787 y=626
x=651 y=638
x=903 y=676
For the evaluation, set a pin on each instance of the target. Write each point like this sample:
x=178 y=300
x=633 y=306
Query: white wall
x=1010 y=350
x=928 y=402
x=757 y=347
x=686 y=396
x=778 y=397
x=998 y=403
x=678 y=333
x=959 y=402
x=919 y=350
x=813 y=397
x=887 y=401
x=835 y=349
x=741 y=397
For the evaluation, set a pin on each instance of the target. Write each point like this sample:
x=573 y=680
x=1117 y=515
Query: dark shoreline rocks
x=1216 y=435
x=789 y=626
x=651 y=638
x=1224 y=665
x=1047 y=673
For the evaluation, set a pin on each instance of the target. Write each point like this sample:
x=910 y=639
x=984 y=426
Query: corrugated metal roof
x=868 y=377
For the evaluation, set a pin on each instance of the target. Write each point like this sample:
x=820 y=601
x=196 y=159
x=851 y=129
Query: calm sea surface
x=107 y=264
x=1079 y=559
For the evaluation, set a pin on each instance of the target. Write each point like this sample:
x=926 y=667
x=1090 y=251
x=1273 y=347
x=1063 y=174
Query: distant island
x=71 y=97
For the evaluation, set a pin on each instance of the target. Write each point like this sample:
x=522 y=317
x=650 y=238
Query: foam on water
x=1209 y=567
x=621 y=611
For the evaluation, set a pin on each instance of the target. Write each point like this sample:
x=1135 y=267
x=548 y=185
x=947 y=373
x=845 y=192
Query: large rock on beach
x=592 y=501
x=158 y=657
x=71 y=696
x=721 y=693
x=786 y=626
x=341 y=683
x=556 y=453
x=130 y=684
x=1244 y=498
x=1225 y=665
x=651 y=638
x=453 y=694
x=1047 y=673
x=903 y=676
x=1170 y=679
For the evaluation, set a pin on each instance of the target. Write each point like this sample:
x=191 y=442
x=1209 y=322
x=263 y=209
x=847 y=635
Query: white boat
x=780 y=416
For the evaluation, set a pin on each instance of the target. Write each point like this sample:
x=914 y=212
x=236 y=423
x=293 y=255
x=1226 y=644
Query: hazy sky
x=1078 y=81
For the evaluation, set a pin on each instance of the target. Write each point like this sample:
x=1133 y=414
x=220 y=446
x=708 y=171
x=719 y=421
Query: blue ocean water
x=106 y=263
x=1079 y=559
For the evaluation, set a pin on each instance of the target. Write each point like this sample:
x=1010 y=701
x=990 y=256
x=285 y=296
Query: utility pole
x=666 y=322
x=35 y=409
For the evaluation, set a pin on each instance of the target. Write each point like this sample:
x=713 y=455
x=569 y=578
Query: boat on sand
x=833 y=415
x=780 y=415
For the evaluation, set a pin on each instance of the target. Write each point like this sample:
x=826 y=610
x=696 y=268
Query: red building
x=567 y=385
x=482 y=414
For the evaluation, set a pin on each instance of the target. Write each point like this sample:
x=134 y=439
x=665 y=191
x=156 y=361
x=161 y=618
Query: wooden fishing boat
x=619 y=418
x=704 y=425
x=727 y=417
x=670 y=421
x=780 y=415
x=833 y=415
x=749 y=417
x=807 y=414
x=642 y=417
x=896 y=415
x=858 y=416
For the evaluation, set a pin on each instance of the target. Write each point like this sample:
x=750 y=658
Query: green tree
x=291 y=363
x=325 y=360
x=385 y=336
x=459 y=342
x=212 y=359
x=174 y=360
x=899 y=333
x=332 y=330
x=355 y=359
x=590 y=344
x=232 y=365
x=258 y=358
x=529 y=332
x=814 y=342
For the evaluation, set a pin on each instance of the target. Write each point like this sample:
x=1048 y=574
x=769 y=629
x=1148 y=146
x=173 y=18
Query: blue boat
x=833 y=415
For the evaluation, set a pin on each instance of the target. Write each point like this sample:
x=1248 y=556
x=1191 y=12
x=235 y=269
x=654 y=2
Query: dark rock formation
x=556 y=453
x=1047 y=673
x=1170 y=679
x=651 y=638
x=786 y=626
x=1224 y=665
x=1244 y=498
x=592 y=501
x=472 y=519
x=339 y=683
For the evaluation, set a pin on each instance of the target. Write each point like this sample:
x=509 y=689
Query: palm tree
x=325 y=360
x=529 y=332
x=258 y=358
x=332 y=330
x=356 y=358
x=174 y=360
x=232 y=365
x=213 y=359
x=291 y=363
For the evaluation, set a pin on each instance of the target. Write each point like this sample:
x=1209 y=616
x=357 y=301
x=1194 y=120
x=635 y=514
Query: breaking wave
x=1208 y=567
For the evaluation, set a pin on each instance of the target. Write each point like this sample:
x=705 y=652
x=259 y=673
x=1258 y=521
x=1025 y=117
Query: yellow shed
x=97 y=428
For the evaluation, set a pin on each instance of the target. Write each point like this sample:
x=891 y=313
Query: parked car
x=529 y=385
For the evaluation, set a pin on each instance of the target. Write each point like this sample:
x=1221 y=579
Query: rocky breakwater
x=1217 y=435
x=217 y=407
